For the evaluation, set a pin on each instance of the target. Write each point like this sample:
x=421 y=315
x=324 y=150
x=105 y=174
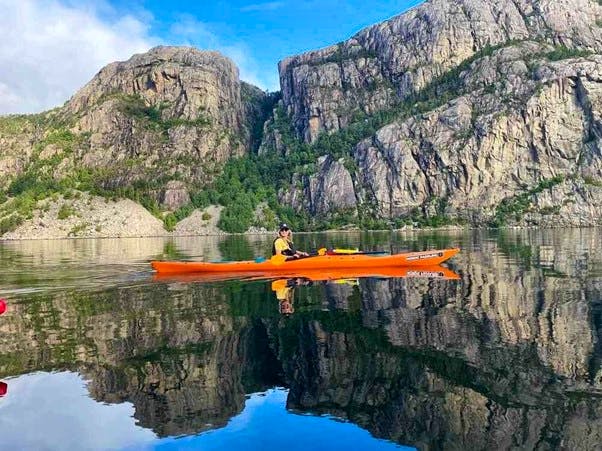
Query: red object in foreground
x=2 y=306
x=3 y=388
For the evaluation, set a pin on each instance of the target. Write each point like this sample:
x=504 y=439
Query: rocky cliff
x=477 y=111
x=323 y=89
x=455 y=112
x=156 y=128
x=178 y=110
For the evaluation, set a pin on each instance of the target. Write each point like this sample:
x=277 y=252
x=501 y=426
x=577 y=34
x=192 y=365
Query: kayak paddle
x=279 y=259
x=345 y=251
x=351 y=252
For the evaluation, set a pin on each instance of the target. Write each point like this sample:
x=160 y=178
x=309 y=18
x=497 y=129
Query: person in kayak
x=283 y=244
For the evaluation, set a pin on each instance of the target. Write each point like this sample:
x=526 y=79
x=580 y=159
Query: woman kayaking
x=283 y=244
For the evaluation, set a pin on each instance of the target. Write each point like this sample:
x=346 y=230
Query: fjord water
x=96 y=353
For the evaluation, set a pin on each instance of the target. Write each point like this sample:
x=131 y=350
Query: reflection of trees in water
x=509 y=356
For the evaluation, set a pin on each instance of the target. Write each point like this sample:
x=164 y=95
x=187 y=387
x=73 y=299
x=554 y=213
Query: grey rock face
x=186 y=82
x=173 y=113
x=330 y=189
x=480 y=149
x=323 y=89
x=183 y=113
x=175 y=195
x=515 y=134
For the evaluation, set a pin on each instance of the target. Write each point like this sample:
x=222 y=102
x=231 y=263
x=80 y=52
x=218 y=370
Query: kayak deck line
x=322 y=262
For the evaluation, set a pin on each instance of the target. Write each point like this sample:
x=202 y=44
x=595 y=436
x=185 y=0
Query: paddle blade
x=278 y=259
x=346 y=251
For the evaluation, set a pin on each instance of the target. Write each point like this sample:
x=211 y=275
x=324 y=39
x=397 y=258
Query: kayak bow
x=324 y=262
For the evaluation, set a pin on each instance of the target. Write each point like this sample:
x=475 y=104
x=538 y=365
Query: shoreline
x=338 y=231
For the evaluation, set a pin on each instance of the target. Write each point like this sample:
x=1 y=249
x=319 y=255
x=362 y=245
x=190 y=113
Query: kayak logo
x=423 y=256
x=429 y=274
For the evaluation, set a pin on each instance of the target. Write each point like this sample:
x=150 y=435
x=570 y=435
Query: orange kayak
x=321 y=262
x=422 y=272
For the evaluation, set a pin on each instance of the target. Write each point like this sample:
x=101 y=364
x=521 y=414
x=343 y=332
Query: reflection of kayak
x=427 y=272
x=322 y=262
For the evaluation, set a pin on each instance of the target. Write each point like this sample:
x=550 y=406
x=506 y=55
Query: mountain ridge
x=455 y=112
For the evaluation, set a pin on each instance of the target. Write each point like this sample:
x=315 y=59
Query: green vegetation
x=267 y=219
x=591 y=181
x=515 y=207
x=562 y=53
x=170 y=222
x=10 y=223
x=238 y=215
x=65 y=211
x=247 y=181
x=262 y=108
x=77 y=229
x=277 y=170
x=550 y=210
x=152 y=116
x=39 y=181
x=15 y=124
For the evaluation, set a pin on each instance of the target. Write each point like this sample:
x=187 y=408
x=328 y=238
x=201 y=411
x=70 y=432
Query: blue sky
x=51 y=48
x=267 y=31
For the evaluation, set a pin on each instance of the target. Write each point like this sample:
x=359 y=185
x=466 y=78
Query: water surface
x=95 y=353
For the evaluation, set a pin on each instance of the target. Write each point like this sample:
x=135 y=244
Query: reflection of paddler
x=284 y=293
x=283 y=289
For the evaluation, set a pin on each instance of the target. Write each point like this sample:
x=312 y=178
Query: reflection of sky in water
x=54 y=411
x=265 y=424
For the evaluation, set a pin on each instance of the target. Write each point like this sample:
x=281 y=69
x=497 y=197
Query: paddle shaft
x=279 y=259
x=315 y=254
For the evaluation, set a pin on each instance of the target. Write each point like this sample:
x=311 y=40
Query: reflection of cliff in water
x=181 y=391
x=507 y=357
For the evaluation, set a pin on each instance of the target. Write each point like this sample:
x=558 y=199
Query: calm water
x=96 y=353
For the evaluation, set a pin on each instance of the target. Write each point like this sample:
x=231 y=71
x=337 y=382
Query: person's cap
x=283 y=226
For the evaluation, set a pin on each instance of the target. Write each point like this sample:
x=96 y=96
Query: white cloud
x=268 y=6
x=189 y=31
x=55 y=411
x=50 y=49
